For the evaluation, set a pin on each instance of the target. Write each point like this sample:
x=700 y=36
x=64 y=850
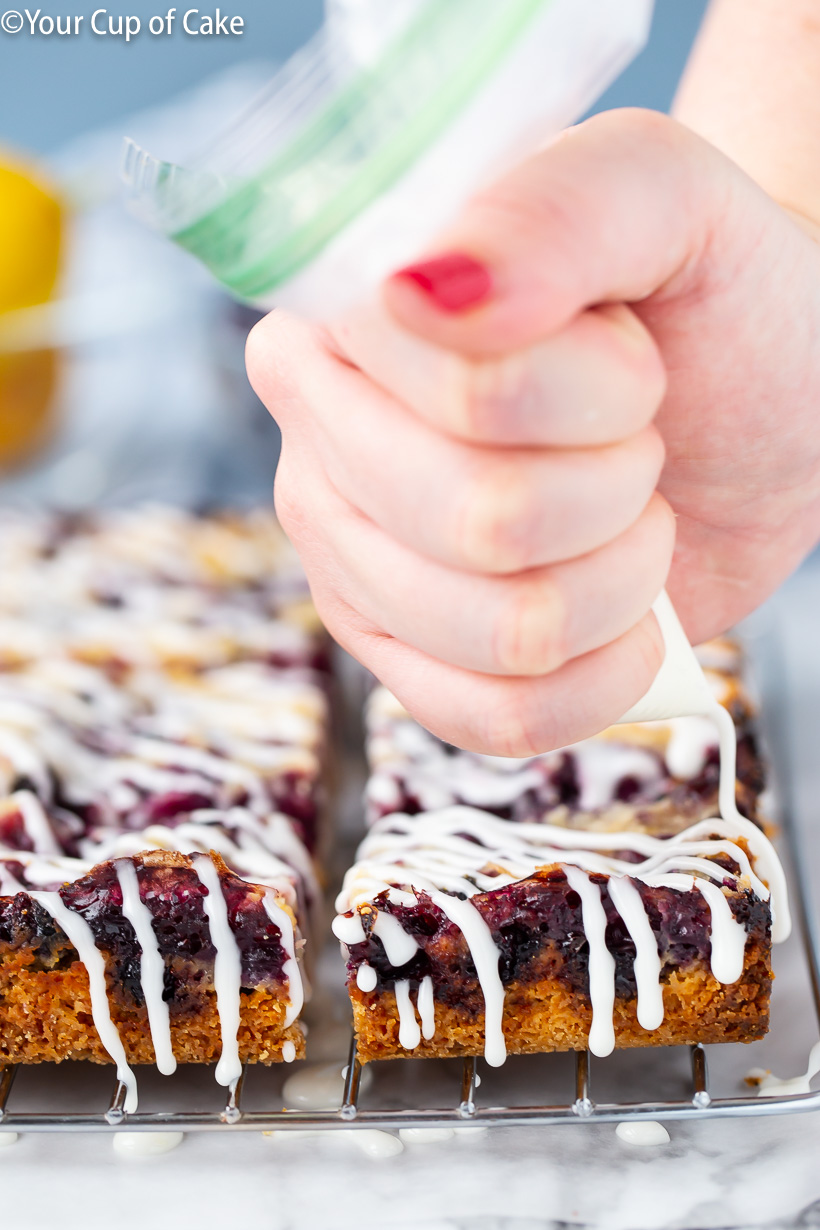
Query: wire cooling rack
x=420 y=1093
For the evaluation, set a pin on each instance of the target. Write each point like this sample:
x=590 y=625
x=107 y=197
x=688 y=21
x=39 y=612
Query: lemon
x=31 y=227
x=31 y=234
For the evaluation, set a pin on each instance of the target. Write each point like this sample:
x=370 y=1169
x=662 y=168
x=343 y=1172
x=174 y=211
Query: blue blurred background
x=53 y=88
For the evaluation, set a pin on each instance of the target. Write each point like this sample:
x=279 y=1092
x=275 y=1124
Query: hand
x=487 y=474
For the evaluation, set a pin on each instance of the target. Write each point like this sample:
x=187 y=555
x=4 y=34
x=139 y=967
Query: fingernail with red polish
x=454 y=282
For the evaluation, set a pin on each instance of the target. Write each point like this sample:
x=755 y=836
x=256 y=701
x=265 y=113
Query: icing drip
x=627 y=901
x=409 y=1032
x=152 y=966
x=319 y=1087
x=728 y=935
x=146 y=1144
x=765 y=857
x=82 y=937
x=601 y=962
x=366 y=977
x=399 y=947
x=485 y=956
x=227 y=970
x=296 y=992
x=426 y=1008
x=643 y=1134
x=461 y=850
x=288 y=1051
x=425 y=1136
x=771 y=1086
x=348 y=930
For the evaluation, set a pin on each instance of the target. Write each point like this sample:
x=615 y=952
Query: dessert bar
x=587 y=897
x=163 y=723
x=659 y=776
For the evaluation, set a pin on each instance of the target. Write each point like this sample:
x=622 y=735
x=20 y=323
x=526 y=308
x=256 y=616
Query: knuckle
x=492 y=518
x=493 y=393
x=528 y=635
x=636 y=353
x=643 y=457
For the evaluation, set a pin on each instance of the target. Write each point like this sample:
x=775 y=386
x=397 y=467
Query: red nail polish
x=454 y=282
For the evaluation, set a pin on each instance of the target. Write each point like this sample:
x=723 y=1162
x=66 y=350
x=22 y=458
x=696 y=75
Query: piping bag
x=366 y=143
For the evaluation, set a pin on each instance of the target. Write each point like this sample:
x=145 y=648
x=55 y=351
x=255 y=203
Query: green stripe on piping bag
x=272 y=225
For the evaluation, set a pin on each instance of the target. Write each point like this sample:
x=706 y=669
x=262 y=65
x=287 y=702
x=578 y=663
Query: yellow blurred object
x=31 y=233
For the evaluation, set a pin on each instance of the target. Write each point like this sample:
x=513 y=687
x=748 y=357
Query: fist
x=603 y=380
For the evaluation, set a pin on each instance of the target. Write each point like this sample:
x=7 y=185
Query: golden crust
x=547 y=1015
x=46 y=1017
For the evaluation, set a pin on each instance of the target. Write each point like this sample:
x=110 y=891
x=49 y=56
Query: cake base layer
x=45 y=1016
x=547 y=1015
x=49 y=1012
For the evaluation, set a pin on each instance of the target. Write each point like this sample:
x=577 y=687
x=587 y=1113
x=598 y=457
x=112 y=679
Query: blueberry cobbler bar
x=163 y=719
x=588 y=897
x=661 y=776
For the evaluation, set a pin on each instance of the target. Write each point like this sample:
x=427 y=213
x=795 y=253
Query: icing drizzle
x=461 y=850
x=152 y=966
x=82 y=937
x=227 y=970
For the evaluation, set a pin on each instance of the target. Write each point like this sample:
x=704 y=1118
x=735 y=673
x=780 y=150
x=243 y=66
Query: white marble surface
x=715 y=1173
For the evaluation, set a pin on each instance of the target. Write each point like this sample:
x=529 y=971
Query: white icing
x=426 y=1136
x=728 y=935
x=644 y=1133
x=288 y=1051
x=296 y=993
x=227 y=970
x=463 y=850
x=7 y=1139
x=319 y=1087
x=409 y=1032
x=466 y=851
x=601 y=962
x=82 y=937
x=602 y=764
x=152 y=966
x=627 y=901
x=691 y=739
x=376 y=1144
x=399 y=947
x=679 y=688
x=146 y=1144
x=348 y=930
x=764 y=854
x=426 y=1008
x=771 y=1086
x=485 y=957
x=314 y=1088
x=366 y=977
x=36 y=822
